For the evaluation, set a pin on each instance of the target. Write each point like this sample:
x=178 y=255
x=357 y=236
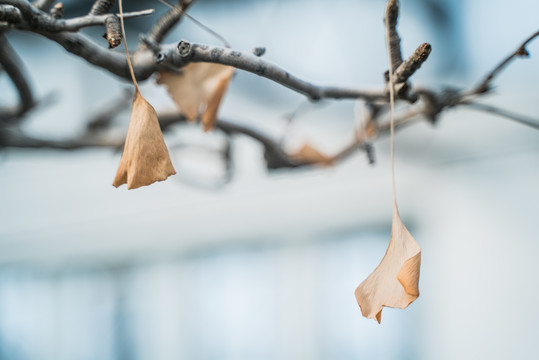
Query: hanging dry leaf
x=199 y=88
x=307 y=154
x=394 y=283
x=145 y=159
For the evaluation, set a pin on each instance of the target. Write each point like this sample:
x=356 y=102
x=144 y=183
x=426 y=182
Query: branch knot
x=184 y=48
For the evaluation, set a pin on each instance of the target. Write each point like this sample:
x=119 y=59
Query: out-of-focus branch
x=16 y=138
x=44 y=5
x=484 y=86
x=392 y=14
x=12 y=65
x=101 y=7
x=10 y=14
x=408 y=67
x=57 y=11
x=153 y=57
x=168 y=21
x=534 y=123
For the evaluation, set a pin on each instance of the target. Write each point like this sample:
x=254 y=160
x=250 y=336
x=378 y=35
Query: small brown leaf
x=145 y=159
x=371 y=129
x=394 y=283
x=198 y=88
x=308 y=155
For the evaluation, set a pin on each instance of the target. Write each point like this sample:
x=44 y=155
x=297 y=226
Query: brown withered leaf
x=145 y=159
x=309 y=155
x=394 y=283
x=198 y=89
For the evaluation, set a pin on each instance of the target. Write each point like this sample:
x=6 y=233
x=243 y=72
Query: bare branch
x=167 y=22
x=145 y=65
x=12 y=64
x=156 y=57
x=274 y=154
x=392 y=14
x=188 y=52
x=44 y=5
x=412 y=64
x=35 y=20
x=10 y=14
x=28 y=11
x=16 y=138
x=97 y=55
x=484 y=86
x=101 y=7
x=534 y=123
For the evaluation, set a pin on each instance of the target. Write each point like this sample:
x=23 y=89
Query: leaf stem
x=129 y=64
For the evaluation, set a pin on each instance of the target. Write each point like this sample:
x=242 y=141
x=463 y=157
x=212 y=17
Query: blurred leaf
x=307 y=155
x=145 y=159
x=198 y=88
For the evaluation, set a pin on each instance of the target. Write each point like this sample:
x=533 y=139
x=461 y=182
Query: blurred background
x=264 y=265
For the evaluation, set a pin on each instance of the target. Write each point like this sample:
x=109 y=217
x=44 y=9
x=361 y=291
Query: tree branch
x=167 y=22
x=12 y=65
x=534 y=123
x=101 y=7
x=10 y=14
x=44 y=5
x=114 y=62
x=484 y=86
x=156 y=57
x=392 y=14
x=36 y=20
x=187 y=52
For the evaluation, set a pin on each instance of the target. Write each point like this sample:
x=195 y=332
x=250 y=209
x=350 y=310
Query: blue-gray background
x=265 y=268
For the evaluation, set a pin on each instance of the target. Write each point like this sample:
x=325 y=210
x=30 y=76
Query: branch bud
x=57 y=11
x=184 y=47
x=113 y=31
x=414 y=62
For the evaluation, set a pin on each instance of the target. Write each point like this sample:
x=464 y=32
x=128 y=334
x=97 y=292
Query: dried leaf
x=307 y=154
x=145 y=159
x=199 y=88
x=394 y=283
x=371 y=129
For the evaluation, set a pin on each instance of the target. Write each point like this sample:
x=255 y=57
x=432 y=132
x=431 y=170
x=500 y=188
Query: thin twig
x=521 y=51
x=35 y=20
x=408 y=67
x=167 y=22
x=534 y=123
x=101 y=7
x=21 y=14
x=393 y=39
x=196 y=22
x=44 y=5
